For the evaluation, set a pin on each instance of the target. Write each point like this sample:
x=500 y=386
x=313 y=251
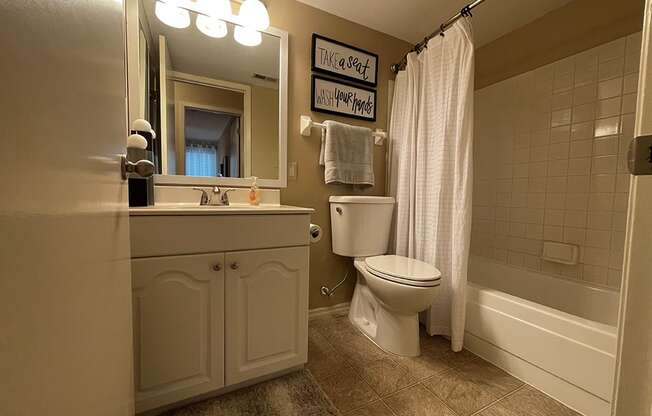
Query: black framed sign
x=344 y=61
x=341 y=98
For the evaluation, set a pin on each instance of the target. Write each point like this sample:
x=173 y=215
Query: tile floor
x=362 y=380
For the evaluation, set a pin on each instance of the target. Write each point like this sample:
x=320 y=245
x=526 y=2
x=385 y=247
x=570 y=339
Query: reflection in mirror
x=218 y=101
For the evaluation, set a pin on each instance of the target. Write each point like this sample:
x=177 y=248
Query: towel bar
x=307 y=124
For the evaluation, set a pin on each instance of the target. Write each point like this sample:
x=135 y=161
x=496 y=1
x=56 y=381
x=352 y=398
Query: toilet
x=390 y=290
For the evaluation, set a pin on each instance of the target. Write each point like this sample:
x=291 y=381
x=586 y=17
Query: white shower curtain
x=431 y=135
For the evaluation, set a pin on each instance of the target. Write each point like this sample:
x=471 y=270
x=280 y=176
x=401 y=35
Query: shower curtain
x=431 y=137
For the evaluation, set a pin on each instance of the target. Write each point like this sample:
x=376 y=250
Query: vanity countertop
x=234 y=209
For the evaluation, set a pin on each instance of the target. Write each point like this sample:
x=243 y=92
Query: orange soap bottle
x=254 y=193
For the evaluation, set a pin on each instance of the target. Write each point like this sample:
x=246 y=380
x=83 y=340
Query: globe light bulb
x=253 y=14
x=211 y=26
x=172 y=15
x=247 y=36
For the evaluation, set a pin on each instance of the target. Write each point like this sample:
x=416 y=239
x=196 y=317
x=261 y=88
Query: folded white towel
x=347 y=154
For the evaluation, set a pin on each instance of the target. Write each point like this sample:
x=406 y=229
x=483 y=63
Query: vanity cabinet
x=266 y=311
x=210 y=322
x=178 y=321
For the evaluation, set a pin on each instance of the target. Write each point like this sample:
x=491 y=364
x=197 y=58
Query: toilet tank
x=360 y=225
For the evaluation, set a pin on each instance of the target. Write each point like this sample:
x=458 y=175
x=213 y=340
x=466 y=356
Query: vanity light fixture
x=253 y=14
x=247 y=36
x=211 y=26
x=172 y=15
x=212 y=16
x=220 y=9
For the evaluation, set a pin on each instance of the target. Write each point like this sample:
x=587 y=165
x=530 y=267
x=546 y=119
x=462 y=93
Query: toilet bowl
x=390 y=290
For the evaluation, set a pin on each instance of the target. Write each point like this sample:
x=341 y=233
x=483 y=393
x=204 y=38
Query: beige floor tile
x=426 y=365
x=441 y=347
x=378 y=408
x=348 y=391
x=386 y=376
x=481 y=371
x=323 y=360
x=417 y=401
x=467 y=392
x=528 y=401
x=357 y=349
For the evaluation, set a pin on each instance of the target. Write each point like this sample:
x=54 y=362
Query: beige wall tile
x=558 y=167
x=557 y=139
x=578 y=184
x=583 y=113
x=608 y=108
x=629 y=103
x=560 y=134
x=585 y=94
x=630 y=83
x=599 y=220
x=611 y=69
x=598 y=238
x=607 y=127
x=582 y=131
x=560 y=117
x=611 y=88
x=553 y=233
x=603 y=183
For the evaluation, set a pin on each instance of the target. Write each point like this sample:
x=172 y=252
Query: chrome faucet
x=224 y=198
x=208 y=196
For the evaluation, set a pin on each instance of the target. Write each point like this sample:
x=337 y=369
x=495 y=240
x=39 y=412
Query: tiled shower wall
x=549 y=157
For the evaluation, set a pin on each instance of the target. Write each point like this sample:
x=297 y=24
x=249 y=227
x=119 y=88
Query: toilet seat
x=403 y=270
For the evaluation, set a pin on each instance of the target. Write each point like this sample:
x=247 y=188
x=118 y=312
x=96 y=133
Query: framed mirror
x=218 y=106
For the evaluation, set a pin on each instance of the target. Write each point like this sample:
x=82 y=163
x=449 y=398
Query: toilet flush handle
x=338 y=210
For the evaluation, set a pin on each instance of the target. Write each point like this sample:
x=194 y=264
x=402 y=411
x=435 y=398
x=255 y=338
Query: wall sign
x=339 y=59
x=336 y=97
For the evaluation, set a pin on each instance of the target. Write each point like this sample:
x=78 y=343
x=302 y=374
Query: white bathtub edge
x=555 y=387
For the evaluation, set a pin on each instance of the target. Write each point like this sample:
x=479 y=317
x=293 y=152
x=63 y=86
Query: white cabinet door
x=266 y=311
x=178 y=327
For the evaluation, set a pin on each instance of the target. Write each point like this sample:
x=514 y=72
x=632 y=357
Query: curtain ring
x=441 y=30
x=425 y=43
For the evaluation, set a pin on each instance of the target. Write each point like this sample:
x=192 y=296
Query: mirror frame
x=133 y=23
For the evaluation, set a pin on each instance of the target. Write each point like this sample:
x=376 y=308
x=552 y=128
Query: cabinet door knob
x=235 y=265
x=217 y=267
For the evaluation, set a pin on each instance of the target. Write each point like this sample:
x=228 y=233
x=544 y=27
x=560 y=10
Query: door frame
x=245 y=127
x=633 y=382
x=180 y=139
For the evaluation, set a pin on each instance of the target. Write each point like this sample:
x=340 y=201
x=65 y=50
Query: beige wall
x=308 y=189
x=550 y=148
x=264 y=132
x=578 y=26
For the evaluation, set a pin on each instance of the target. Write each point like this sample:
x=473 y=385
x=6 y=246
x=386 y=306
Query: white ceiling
x=412 y=20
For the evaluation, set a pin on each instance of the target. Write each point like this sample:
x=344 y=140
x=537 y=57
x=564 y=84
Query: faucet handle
x=225 y=196
x=205 y=197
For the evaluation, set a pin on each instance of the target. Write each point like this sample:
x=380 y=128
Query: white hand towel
x=347 y=154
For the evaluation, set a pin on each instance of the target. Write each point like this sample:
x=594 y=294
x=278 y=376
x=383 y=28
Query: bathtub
x=555 y=334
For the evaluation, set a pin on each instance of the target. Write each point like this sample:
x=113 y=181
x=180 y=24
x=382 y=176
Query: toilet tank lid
x=357 y=199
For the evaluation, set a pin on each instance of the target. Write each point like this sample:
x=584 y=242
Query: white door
x=178 y=327
x=65 y=285
x=266 y=311
x=634 y=372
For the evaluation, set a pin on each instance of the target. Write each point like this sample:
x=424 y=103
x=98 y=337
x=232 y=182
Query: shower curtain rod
x=466 y=11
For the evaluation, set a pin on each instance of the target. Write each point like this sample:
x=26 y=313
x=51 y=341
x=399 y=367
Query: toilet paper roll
x=315 y=233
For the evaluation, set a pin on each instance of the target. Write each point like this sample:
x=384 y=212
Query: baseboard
x=326 y=310
x=572 y=396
